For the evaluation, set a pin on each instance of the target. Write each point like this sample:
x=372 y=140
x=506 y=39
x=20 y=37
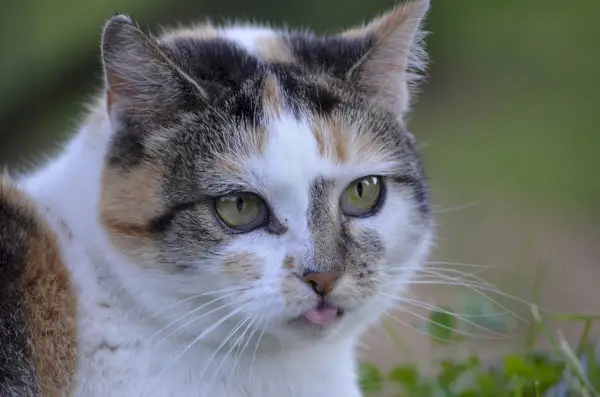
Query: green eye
x=362 y=196
x=241 y=211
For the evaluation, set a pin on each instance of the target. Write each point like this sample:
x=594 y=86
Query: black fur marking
x=162 y=223
x=245 y=106
x=334 y=55
x=126 y=149
x=301 y=92
x=17 y=371
x=218 y=63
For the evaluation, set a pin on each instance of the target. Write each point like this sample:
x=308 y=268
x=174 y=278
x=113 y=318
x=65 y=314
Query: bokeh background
x=507 y=123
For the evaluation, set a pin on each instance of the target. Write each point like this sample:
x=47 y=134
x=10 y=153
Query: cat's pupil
x=239 y=204
x=359 y=189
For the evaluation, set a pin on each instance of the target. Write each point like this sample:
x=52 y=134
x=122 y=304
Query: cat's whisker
x=227 y=338
x=441 y=309
x=262 y=332
x=458 y=264
x=455 y=209
x=189 y=298
x=241 y=348
x=456 y=315
x=461 y=274
x=445 y=279
x=195 y=319
x=385 y=331
x=455 y=330
x=478 y=289
x=202 y=335
x=189 y=313
x=254 y=331
x=420 y=331
x=229 y=351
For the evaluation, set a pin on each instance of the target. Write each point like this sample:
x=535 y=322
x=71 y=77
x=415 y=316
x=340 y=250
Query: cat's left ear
x=142 y=84
x=392 y=64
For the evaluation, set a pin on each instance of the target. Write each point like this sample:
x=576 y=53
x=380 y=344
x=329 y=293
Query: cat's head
x=274 y=167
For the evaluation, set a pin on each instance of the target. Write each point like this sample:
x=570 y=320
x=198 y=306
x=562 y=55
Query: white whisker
x=458 y=264
x=478 y=289
x=202 y=335
x=237 y=289
x=420 y=331
x=223 y=342
x=233 y=346
x=432 y=307
x=240 y=352
x=196 y=309
x=264 y=328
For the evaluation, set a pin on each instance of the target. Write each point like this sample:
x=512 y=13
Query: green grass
x=559 y=371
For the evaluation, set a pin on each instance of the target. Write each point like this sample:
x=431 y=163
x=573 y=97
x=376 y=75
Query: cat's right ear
x=142 y=84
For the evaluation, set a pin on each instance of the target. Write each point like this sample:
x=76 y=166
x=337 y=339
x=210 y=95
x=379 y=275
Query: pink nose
x=322 y=282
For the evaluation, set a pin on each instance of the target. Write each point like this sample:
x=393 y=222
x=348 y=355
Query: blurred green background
x=507 y=119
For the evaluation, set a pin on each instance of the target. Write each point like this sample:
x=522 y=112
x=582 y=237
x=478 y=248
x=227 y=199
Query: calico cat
x=239 y=205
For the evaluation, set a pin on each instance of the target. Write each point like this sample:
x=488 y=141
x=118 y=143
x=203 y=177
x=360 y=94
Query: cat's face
x=272 y=167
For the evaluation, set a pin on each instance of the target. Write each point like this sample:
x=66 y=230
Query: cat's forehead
x=269 y=137
x=279 y=116
x=286 y=47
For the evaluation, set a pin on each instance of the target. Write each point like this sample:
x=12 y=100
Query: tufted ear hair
x=142 y=84
x=391 y=65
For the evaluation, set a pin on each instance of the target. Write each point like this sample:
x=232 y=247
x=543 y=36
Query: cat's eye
x=362 y=197
x=241 y=211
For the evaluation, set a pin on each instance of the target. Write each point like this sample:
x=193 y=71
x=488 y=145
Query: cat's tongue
x=321 y=315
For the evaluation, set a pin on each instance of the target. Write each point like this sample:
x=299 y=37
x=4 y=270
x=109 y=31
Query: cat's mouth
x=322 y=314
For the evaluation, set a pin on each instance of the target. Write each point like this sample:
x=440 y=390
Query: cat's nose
x=321 y=282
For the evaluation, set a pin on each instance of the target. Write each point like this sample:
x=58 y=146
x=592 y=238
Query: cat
x=239 y=205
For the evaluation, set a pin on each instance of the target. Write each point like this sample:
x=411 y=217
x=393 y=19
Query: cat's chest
x=123 y=374
x=118 y=369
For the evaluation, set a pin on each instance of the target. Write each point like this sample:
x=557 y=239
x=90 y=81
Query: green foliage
x=561 y=370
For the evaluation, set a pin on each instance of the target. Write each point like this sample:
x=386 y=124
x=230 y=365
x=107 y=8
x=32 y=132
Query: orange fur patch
x=332 y=139
x=200 y=32
x=130 y=199
x=50 y=302
x=272 y=96
x=242 y=267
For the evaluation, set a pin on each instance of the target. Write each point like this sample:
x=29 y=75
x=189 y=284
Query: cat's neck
x=69 y=184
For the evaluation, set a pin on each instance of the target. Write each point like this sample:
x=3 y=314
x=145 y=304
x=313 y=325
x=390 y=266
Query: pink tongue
x=323 y=315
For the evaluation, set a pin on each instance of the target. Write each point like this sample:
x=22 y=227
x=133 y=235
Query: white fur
x=120 y=353
x=247 y=36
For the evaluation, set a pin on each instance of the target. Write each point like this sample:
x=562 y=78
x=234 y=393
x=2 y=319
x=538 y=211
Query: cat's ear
x=388 y=69
x=142 y=84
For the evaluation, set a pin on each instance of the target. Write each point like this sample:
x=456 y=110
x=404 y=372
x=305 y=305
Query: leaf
x=370 y=378
x=486 y=384
x=546 y=373
x=441 y=325
x=405 y=375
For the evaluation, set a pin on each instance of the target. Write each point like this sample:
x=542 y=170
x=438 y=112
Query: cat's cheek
x=242 y=267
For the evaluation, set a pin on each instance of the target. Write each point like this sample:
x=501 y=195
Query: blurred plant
x=559 y=372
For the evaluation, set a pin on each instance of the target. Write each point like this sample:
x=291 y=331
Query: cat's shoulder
x=37 y=302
